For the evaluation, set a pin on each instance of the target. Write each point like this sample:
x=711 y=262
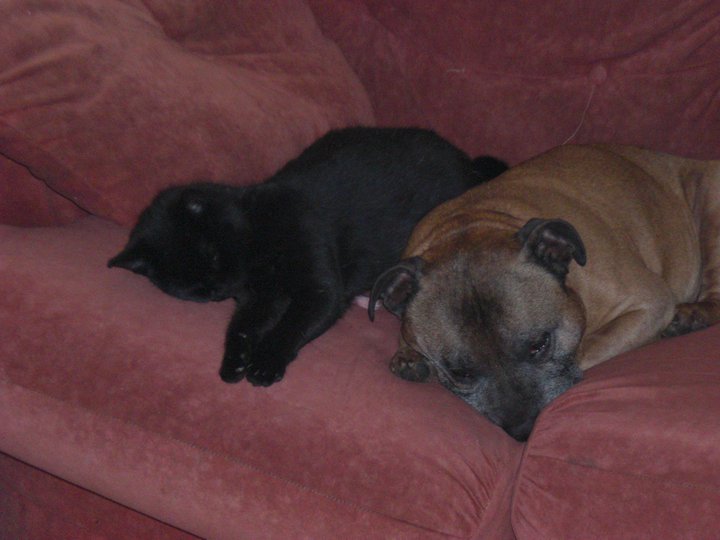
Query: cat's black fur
x=295 y=250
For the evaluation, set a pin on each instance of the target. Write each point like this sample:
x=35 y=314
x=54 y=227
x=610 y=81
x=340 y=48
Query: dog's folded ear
x=396 y=287
x=553 y=243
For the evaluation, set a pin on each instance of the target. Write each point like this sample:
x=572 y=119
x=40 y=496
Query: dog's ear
x=553 y=243
x=131 y=258
x=396 y=286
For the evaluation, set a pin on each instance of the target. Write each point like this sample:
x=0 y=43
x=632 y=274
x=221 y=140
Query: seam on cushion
x=56 y=214
x=239 y=462
x=394 y=40
x=351 y=69
x=653 y=479
x=48 y=161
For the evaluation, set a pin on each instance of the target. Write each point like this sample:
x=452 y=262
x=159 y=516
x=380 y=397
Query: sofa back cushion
x=517 y=78
x=107 y=102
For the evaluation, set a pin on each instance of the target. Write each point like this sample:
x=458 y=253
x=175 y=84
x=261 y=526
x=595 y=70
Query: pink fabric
x=109 y=101
x=113 y=385
x=632 y=452
x=27 y=201
x=37 y=506
x=517 y=78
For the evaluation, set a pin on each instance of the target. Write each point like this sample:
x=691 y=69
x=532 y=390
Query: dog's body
x=489 y=297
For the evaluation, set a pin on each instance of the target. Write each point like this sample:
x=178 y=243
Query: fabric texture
x=109 y=101
x=632 y=451
x=515 y=79
x=111 y=410
x=135 y=411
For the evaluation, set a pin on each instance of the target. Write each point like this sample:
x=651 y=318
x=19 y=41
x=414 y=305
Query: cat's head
x=191 y=242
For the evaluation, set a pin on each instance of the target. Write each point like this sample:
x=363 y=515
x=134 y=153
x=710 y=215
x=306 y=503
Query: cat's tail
x=488 y=167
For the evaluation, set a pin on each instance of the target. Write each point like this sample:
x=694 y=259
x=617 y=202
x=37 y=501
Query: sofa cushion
x=515 y=79
x=109 y=101
x=27 y=201
x=36 y=505
x=112 y=385
x=631 y=452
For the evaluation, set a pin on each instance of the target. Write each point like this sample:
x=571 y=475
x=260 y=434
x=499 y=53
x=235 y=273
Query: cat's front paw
x=236 y=360
x=267 y=366
x=265 y=374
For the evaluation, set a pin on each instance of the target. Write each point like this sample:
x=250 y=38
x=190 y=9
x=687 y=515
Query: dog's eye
x=538 y=347
x=461 y=374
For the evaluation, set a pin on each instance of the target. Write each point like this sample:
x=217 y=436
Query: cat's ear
x=131 y=259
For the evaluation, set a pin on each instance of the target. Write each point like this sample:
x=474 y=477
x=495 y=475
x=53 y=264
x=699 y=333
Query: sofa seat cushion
x=108 y=101
x=109 y=384
x=631 y=452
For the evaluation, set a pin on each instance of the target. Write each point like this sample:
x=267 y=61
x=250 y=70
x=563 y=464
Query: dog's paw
x=410 y=368
x=238 y=355
x=688 y=318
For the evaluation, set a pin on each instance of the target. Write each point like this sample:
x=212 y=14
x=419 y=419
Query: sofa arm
x=631 y=452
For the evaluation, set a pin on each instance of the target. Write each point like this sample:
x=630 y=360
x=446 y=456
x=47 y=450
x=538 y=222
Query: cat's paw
x=266 y=373
x=267 y=366
x=236 y=360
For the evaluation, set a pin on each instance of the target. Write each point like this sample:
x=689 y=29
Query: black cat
x=295 y=250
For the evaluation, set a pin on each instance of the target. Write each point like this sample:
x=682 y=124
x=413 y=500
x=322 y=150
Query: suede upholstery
x=518 y=78
x=109 y=101
x=133 y=379
x=113 y=421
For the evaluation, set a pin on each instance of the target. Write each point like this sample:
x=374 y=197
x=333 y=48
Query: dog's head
x=495 y=323
x=190 y=243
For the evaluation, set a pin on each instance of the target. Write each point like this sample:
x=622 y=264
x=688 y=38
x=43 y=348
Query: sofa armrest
x=633 y=451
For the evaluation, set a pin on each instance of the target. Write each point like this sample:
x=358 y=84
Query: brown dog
x=492 y=304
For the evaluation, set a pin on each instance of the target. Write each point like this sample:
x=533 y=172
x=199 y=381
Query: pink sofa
x=113 y=421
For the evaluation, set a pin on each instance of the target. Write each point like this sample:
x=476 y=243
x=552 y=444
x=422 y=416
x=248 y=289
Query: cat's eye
x=538 y=347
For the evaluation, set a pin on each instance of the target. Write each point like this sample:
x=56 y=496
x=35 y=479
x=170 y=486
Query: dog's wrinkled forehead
x=483 y=304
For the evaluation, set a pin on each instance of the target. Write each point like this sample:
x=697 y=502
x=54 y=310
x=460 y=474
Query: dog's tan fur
x=509 y=291
x=650 y=223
